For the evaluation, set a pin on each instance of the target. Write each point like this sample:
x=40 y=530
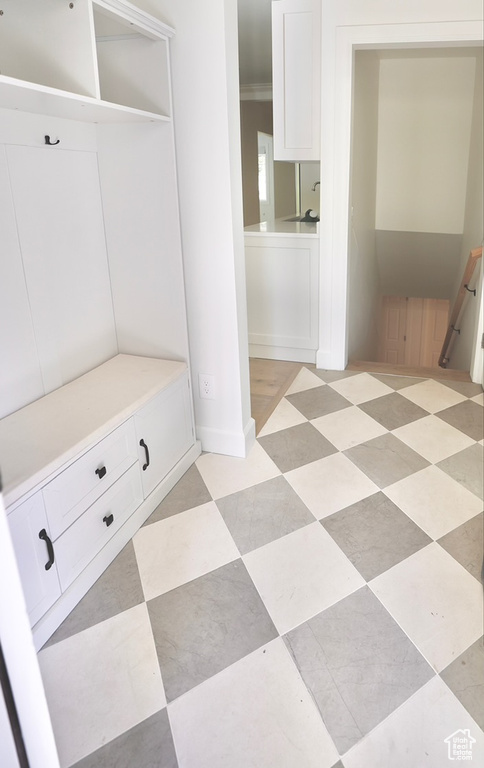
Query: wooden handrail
x=474 y=257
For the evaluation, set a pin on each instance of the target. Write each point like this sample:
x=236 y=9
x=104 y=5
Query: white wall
x=56 y=312
x=463 y=350
x=424 y=124
x=363 y=275
x=347 y=24
x=207 y=132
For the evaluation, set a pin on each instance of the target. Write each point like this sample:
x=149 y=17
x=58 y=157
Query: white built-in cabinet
x=296 y=62
x=282 y=273
x=92 y=285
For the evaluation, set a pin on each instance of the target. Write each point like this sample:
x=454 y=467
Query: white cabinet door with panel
x=164 y=432
x=35 y=556
x=296 y=62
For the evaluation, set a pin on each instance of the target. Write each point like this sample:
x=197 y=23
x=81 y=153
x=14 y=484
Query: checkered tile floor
x=317 y=604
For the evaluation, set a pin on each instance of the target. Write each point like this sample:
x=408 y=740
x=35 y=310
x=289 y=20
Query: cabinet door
x=164 y=432
x=31 y=541
x=296 y=63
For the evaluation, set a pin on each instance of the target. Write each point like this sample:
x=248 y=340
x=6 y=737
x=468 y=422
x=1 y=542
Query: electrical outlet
x=206 y=386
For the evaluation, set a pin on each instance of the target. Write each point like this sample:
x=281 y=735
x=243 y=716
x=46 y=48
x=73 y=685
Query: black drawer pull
x=50 y=549
x=143 y=445
x=100 y=472
x=108 y=519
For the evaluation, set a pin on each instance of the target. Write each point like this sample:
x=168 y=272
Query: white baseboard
x=227 y=443
x=291 y=354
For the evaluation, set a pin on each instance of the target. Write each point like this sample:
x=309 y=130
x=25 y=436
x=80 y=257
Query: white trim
x=336 y=157
x=151 y=26
x=256 y=92
x=477 y=360
x=291 y=354
x=228 y=443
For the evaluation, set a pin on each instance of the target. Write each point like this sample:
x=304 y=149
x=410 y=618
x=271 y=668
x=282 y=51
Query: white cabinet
x=34 y=550
x=282 y=296
x=93 y=60
x=164 y=431
x=296 y=62
x=77 y=482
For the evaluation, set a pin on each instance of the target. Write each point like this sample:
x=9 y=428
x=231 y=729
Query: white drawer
x=88 y=535
x=77 y=487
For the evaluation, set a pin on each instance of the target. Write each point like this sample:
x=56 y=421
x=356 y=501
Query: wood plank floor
x=269 y=379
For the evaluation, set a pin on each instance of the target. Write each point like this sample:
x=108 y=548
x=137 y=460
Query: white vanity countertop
x=283 y=227
x=39 y=438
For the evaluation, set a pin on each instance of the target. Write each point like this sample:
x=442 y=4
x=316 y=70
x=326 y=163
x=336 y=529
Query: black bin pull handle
x=100 y=472
x=143 y=445
x=50 y=549
x=108 y=519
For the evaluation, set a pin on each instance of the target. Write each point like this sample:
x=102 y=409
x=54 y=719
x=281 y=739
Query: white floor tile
x=181 y=548
x=283 y=417
x=257 y=712
x=101 y=682
x=417 y=734
x=479 y=399
x=361 y=388
x=435 y=601
x=300 y=575
x=433 y=438
x=304 y=380
x=432 y=395
x=348 y=427
x=330 y=484
x=226 y=474
x=434 y=501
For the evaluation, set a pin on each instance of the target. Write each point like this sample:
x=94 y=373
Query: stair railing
x=464 y=289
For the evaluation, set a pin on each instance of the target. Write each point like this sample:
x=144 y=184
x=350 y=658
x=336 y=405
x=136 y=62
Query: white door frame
x=336 y=158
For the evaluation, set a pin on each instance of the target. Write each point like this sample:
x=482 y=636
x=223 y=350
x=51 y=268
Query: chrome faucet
x=313 y=188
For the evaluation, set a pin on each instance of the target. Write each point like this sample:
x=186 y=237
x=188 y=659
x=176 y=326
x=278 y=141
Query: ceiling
x=255 y=65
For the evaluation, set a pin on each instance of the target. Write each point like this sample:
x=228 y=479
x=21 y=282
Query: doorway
x=413 y=117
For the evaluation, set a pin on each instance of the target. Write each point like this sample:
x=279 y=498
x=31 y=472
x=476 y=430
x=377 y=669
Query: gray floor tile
x=466 y=467
x=467 y=388
x=385 y=459
x=393 y=410
x=263 y=513
x=118 y=589
x=148 y=745
x=465 y=544
x=468 y=417
x=296 y=446
x=375 y=534
x=203 y=626
x=190 y=491
x=465 y=678
x=396 y=382
x=330 y=376
x=358 y=664
x=318 y=401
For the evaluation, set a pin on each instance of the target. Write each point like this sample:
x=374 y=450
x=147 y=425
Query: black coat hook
x=51 y=143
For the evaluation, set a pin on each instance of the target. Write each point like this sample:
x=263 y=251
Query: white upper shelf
x=99 y=61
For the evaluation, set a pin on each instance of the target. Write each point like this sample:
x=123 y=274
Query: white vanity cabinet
x=31 y=537
x=282 y=276
x=296 y=62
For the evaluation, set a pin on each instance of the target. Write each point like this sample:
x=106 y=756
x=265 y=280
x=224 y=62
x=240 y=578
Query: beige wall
x=424 y=125
x=257 y=116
